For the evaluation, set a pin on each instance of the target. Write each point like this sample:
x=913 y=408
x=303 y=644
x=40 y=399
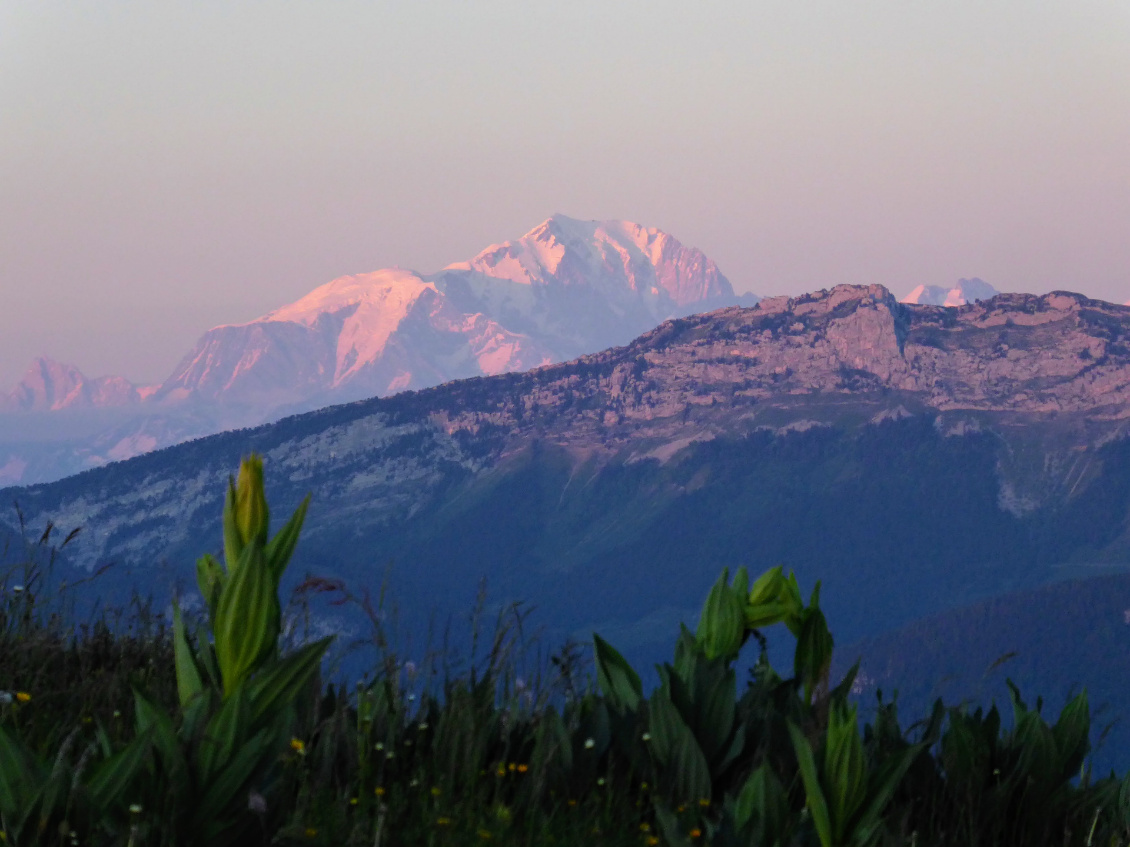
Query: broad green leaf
x=840 y=693
x=229 y=787
x=223 y=735
x=708 y=705
x=206 y=656
x=721 y=626
x=152 y=720
x=276 y=686
x=741 y=583
x=233 y=541
x=243 y=624
x=763 y=806
x=1071 y=733
x=1038 y=758
x=619 y=682
x=687 y=653
x=195 y=715
x=814 y=794
x=189 y=684
x=56 y=788
x=768 y=587
x=879 y=794
x=813 y=657
x=692 y=780
x=281 y=547
x=680 y=760
x=663 y=725
x=20 y=776
x=845 y=775
x=766 y=614
x=115 y=775
x=210 y=579
x=791 y=596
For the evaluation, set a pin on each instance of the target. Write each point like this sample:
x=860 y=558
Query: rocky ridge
x=564 y=289
x=48 y=385
x=1018 y=353
x=1053 y=369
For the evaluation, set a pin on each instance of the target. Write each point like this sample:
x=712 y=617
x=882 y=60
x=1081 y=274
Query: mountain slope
x=1051 y=641
x=565 y=289
x=912 y=457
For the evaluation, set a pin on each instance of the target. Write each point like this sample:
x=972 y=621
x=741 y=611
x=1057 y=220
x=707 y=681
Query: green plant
x=845 y=801
x=217 y=770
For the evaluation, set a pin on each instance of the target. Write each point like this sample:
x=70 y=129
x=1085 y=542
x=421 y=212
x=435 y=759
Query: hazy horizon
x=164 y=169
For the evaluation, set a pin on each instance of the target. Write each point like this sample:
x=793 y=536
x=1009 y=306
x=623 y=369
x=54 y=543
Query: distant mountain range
x=566 y=288
x=928 y=464
x=966 y=291
x=48 y=385
x=914 y=458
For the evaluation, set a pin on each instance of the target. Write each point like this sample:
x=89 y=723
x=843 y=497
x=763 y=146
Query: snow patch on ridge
x=965 y=292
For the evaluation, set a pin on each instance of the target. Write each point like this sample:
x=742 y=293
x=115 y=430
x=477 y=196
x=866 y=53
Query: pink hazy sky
x=166 y=167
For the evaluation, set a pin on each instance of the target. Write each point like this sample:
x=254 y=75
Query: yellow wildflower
x=23 y=696
x=443 y=821
x=436 y=792
x=379 y=791
x=696 y=833
x=298 y=746
x=311 y=832
x=523 y=768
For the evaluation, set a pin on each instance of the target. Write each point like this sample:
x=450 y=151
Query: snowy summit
x=965 y=292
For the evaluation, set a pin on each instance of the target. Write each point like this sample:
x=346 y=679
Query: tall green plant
x=218 y=757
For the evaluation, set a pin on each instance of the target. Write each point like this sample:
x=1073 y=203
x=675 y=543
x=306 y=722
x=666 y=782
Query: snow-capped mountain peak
x=564 y=289
x=48 y=385
x=361 y=290
x=966 y=291
x=615 y=257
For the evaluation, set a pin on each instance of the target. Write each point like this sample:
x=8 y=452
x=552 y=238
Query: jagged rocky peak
x=564 y=289
x=48 y=385
x=966 y=291
x=612 y=255
x=827 y=300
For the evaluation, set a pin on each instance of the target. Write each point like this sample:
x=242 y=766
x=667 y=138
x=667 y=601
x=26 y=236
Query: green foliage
x=236 y=716
x=233 y=743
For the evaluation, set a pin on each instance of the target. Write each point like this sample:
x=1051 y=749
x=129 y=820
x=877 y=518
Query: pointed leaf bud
x=721 y=628
x=251 y=515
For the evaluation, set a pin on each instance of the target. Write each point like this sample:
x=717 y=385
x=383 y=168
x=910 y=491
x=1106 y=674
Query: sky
x=168 y=167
